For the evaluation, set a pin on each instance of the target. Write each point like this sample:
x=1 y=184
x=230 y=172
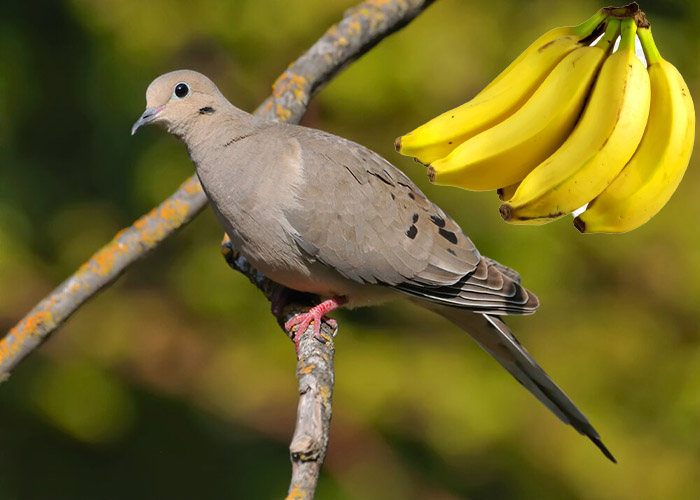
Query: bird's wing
x=361 y=216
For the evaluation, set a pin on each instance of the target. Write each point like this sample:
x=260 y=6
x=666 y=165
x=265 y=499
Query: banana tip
x=499 y=192
x=506 y=212
x=431 y=175
x=579 y=224
x=397 y=144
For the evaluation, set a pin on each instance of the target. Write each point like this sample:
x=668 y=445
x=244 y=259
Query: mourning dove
x=321 y=214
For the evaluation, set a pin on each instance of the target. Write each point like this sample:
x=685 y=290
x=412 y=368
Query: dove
x=324 y=215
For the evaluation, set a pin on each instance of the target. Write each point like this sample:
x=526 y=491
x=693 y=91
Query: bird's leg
x=279 y=300
x=316 y=314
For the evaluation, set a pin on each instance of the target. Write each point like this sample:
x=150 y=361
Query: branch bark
x=361 y=28
x=310 y=440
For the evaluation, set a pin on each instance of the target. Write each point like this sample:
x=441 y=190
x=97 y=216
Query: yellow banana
x=506 y=193
x=657 y=167
x=510 y=90
x=602 y=142
x=505 y=153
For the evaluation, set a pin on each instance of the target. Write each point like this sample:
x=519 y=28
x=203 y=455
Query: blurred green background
x=176 y=383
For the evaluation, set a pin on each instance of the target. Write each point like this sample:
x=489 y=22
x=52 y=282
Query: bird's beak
x=147 y=117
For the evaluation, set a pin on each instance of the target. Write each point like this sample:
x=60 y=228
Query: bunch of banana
x=593 y=125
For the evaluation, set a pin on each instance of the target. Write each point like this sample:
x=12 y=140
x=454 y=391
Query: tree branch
x=310 y=440
x=361 y=29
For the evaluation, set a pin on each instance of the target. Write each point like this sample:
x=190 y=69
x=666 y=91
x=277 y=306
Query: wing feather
x=375 y=226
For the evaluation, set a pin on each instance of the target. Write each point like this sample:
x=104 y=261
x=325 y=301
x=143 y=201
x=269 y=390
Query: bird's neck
x=213 y=137
x=206 y=126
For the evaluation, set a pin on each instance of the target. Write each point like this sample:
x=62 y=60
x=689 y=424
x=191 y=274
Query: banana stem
x=587 y=27
x=628 y=31
x=648 y=46
x=611 y=33
x=629 y=10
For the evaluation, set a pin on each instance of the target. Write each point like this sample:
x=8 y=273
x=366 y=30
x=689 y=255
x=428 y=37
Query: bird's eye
x=181 y=90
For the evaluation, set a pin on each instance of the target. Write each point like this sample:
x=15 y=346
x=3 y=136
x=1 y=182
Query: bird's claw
x=314 y=315
x=302 y=322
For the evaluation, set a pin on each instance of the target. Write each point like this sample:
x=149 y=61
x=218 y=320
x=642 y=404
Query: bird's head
x=177 y=99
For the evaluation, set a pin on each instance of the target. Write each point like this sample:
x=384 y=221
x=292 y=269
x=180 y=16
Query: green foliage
x=177 y=383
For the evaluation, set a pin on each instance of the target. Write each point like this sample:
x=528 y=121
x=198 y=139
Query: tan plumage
x=321 y=214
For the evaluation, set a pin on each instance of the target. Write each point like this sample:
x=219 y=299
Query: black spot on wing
x=437 y=220
x=448 y=235
x=412 y=232
x=415 y=218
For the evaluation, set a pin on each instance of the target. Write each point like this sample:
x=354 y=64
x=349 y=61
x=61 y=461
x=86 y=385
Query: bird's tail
x=494 y=336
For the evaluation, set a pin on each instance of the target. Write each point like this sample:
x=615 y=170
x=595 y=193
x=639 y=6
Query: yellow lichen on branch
x=102 y=261
x=161 y=221
x=282 y=113
x=307 y=369
x=24 y=331
x=290 y=82
x=326 y=394
x=375 y=16
x=297 y=493
x=192 y=186
x=354 y=27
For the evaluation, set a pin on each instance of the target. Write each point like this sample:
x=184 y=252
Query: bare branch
x=100 y=270
x=363 y=27
x=310 y=441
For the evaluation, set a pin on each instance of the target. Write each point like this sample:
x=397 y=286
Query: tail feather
x=494 y=336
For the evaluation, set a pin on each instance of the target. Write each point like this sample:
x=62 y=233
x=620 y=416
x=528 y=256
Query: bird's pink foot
x=314 y=315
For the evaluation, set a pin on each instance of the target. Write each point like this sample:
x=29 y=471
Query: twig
x=361 y=29
x=100 y=270
x=310 y=441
